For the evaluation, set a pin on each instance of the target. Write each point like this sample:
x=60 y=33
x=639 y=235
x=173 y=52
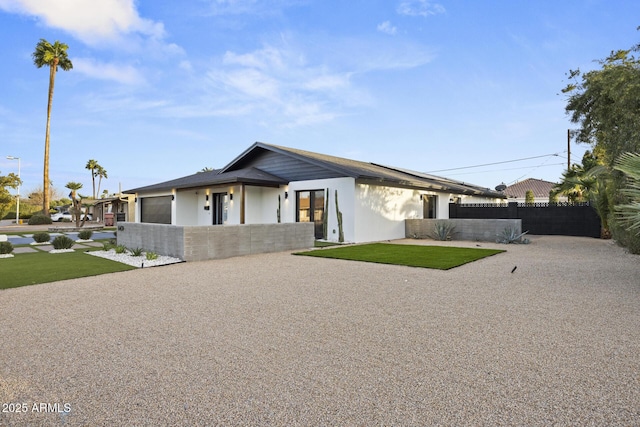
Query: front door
x=429 y=206
x=310 y=208
x=219 y=214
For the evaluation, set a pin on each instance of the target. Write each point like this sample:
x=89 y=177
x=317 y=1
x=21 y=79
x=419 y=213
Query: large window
x=310 y=208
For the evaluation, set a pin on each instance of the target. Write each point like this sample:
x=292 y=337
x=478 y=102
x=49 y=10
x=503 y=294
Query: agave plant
x=443 y=230
x=511 y=235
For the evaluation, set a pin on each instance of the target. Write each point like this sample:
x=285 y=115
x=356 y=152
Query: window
x=310 y=208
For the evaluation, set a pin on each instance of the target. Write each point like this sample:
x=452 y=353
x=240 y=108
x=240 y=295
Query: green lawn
x=43 y=267
x=439 y=257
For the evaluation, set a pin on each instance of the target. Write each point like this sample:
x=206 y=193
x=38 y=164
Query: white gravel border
x=136 y=261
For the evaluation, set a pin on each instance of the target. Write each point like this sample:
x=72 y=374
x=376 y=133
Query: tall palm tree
x=93 y=165
x=100 y=173
x=52 y=56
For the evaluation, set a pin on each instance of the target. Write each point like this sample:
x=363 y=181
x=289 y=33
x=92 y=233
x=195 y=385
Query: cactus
x=325 y=218
x=339 y=215
x=278 y=211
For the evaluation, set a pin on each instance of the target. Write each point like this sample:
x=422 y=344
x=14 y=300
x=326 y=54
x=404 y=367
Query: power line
x=495 y=163
x=499 y=170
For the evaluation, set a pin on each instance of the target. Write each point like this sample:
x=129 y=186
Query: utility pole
x=568 y=149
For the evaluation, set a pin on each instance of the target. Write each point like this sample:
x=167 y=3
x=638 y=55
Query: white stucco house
x=268 y=184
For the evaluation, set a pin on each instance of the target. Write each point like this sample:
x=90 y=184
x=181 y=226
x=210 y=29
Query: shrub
x=6 y=248
x=42 y=237
x=120 y=249
x=136 y=252
x=106 y=246
x=151 y=256
x=62 y=242
x=624 y=237
x=39 y=219
x=443 y=230
x=85 y=234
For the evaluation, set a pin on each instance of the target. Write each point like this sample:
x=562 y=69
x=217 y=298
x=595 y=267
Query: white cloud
x=420 y=8
x=387 y=28
x=125 y=74
x=250 y=7
x=92 y=22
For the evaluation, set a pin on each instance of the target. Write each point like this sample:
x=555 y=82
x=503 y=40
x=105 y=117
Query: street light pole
x=18 y=201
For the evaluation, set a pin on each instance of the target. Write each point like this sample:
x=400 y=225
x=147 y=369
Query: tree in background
x=604 y=104
x=92 y=165
x=6 y=199
x=529 y=197
x=100 y=173
x=52 y=56
x=76 y=201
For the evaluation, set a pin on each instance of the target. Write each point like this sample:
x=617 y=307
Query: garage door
x=156 y=209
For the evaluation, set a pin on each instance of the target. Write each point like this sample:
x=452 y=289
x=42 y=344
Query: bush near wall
x=39 y=219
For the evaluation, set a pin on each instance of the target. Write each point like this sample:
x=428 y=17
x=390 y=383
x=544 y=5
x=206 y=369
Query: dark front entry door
x=310 y=206
x=218 y=208
x=429 y=206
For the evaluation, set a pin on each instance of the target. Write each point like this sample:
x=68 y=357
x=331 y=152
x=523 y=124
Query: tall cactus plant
x=325 y=217
x=339 y=215
x=278 y=211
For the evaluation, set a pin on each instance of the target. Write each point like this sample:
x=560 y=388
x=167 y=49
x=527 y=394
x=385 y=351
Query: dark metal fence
x=567 y=219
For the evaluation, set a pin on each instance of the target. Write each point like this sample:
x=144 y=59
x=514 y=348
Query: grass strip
x=42 y=267
x=438 y=257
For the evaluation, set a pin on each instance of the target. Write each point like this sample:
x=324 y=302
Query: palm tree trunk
x=45 y=184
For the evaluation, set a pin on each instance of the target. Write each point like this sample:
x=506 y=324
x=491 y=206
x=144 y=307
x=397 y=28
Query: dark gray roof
x=216 y=177
x=266 y=164
x=363 y=171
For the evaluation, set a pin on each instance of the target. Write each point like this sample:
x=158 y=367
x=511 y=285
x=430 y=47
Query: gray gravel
x=276 y=340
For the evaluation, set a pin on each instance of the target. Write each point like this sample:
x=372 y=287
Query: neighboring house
x=119 y=207
x=539 y=187
x=268 y=184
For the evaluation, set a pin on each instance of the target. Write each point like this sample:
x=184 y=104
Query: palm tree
x=100 y=173
x=52 y=56
x=629 y=164
x=92 y=165
x=76 y=199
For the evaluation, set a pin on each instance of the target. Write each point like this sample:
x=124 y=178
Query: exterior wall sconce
x=286 y=195
x=421 y=197
x=173 y=197
x=230 y=196
x=206 y=197
x=135 y=199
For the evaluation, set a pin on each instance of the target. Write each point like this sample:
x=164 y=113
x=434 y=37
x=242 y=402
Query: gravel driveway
x=280 y=340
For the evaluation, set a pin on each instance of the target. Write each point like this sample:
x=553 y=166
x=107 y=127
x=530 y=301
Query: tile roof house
x=540 y=188
x=269 y=183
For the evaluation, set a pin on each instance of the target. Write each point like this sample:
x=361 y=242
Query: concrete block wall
x=162 y=239
x=486 y=230
x=197 y=243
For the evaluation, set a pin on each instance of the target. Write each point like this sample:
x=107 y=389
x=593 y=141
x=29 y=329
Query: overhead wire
x=496 y=163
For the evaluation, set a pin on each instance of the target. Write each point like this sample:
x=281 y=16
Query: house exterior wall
x=186 y=204
x=346 y=196
x=380 y=211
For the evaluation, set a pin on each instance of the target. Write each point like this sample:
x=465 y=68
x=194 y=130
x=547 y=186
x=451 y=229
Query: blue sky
x=163 y=89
